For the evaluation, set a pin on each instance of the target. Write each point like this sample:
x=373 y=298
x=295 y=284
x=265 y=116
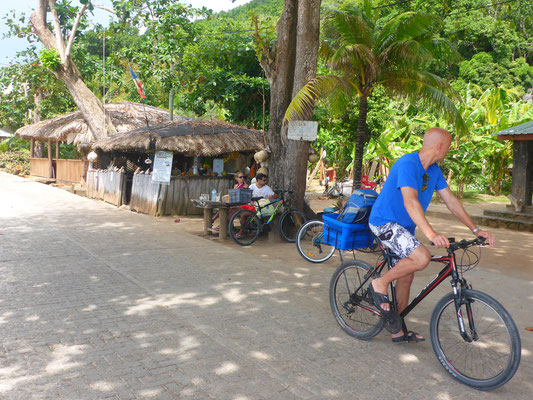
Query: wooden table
x=208 y=207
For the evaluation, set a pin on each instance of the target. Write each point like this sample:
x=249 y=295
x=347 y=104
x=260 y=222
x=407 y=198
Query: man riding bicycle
x=400 y=208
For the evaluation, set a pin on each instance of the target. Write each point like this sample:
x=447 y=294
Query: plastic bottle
x=214 y=195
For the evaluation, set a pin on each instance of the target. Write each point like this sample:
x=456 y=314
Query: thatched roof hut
x=72 y=128
x=192 y=137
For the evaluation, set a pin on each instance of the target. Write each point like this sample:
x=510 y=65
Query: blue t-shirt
x=407 y=171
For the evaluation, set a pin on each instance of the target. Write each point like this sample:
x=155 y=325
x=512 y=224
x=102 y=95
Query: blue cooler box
x=346 y=236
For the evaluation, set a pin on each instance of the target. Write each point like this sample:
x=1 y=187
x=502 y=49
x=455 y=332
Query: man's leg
x=403 y=287
x=402 y=272
x=417 y=261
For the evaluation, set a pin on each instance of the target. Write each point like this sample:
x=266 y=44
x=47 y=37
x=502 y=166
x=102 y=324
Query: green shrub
x=49 y=59
x=15 y=162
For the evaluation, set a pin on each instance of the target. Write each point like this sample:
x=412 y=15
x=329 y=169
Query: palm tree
x=362 y=55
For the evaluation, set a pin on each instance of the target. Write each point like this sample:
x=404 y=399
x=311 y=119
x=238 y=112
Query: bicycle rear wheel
x=289 y=223
x=351 y=303
x=491 y=357
x=244 y=227
x=310 y=242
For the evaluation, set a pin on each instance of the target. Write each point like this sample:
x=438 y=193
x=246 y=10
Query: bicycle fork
x=460 y=300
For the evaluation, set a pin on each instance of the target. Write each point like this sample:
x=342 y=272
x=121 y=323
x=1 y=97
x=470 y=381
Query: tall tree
x=288 y=65
x=168 y=27
x=363 y=55
x=59 y=44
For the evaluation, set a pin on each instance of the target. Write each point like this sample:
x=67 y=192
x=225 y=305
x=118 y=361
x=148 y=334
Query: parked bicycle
x=473 y=336
x=318 y=239
x=336 y=188
x=245 y=225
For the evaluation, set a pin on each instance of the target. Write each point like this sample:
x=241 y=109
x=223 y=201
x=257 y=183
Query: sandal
x=393 y=322
x=408 y=336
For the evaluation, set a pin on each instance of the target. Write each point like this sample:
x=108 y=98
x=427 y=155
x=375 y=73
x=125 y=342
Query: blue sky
x=10 y=46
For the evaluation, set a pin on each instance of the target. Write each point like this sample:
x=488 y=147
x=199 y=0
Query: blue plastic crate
x=346 y=236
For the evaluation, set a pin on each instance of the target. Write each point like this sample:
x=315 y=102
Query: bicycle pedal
x=393 y=324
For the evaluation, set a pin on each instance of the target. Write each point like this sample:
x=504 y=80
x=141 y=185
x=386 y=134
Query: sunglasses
x=426 y=179
x=240 y=177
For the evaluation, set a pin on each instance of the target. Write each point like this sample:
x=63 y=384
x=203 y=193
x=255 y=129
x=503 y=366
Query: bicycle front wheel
x=310 y=242
x=490 y=355
x=289 y=223
x=244 y=227
x=350 y=301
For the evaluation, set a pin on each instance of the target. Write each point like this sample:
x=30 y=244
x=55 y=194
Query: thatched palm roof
x=72 y=128
x=189 y=136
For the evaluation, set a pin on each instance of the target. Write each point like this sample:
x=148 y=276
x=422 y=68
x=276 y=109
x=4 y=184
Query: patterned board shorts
x=399 y=240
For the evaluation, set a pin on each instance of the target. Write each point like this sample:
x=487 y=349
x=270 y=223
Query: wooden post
x=522 y=184
x=322 y=166
x=57 y=150
x=223 y=228
x=50 y=163
x=208 y=223
x=32 y=147
x=312 y=176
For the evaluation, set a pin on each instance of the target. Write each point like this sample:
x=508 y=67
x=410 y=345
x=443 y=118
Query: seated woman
x=241 y=183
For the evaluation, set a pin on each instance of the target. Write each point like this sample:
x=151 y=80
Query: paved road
x=97 y=302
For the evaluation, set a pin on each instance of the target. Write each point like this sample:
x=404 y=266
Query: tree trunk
x=38 y=147
x=360 y=142
x=91 y=108
x=293 y=65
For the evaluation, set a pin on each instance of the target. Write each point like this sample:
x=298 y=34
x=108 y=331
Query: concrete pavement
x=97 y=302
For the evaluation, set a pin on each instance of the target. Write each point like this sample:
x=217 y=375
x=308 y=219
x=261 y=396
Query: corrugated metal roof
x=524 y=129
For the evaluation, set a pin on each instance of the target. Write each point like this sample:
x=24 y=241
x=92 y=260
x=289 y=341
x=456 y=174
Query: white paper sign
x=303 y=130
x=218 y=165
x=162 y=167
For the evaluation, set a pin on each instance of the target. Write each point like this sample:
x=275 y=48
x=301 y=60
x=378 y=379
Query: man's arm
x=416 y=212
x=457 y=209
x=270 y=193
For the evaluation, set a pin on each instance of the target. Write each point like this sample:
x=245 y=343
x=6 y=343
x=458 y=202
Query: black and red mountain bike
x=474 y=337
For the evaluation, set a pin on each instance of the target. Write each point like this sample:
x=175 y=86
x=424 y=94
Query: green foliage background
x=210 y=62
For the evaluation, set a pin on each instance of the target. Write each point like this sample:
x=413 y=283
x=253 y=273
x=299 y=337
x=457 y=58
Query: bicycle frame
x=258 y=214
x=449 y=270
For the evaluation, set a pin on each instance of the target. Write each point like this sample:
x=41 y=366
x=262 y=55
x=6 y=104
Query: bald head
x=435 y=146
x=434 y=136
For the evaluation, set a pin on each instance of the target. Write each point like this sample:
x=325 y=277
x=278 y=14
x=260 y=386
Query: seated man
x=261 y=189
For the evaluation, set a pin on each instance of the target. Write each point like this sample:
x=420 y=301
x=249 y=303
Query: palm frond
x=326 y=51
x=407 y=26
x=317 y=88
x=352 y=27
x=417 y=25
x=409 y=53
x=424 y=87
x=443 y=49
x=352 y=57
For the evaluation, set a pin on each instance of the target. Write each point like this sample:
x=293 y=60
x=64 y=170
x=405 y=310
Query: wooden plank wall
x=156 y=199
x=39 y=167
x=144 y=194
x=184 y=188
x=92 y=184
x=106 y=185
x=114 y=185
x=71 y=170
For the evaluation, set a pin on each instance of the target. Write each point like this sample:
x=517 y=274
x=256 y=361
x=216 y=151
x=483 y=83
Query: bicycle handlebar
x=463 y=244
